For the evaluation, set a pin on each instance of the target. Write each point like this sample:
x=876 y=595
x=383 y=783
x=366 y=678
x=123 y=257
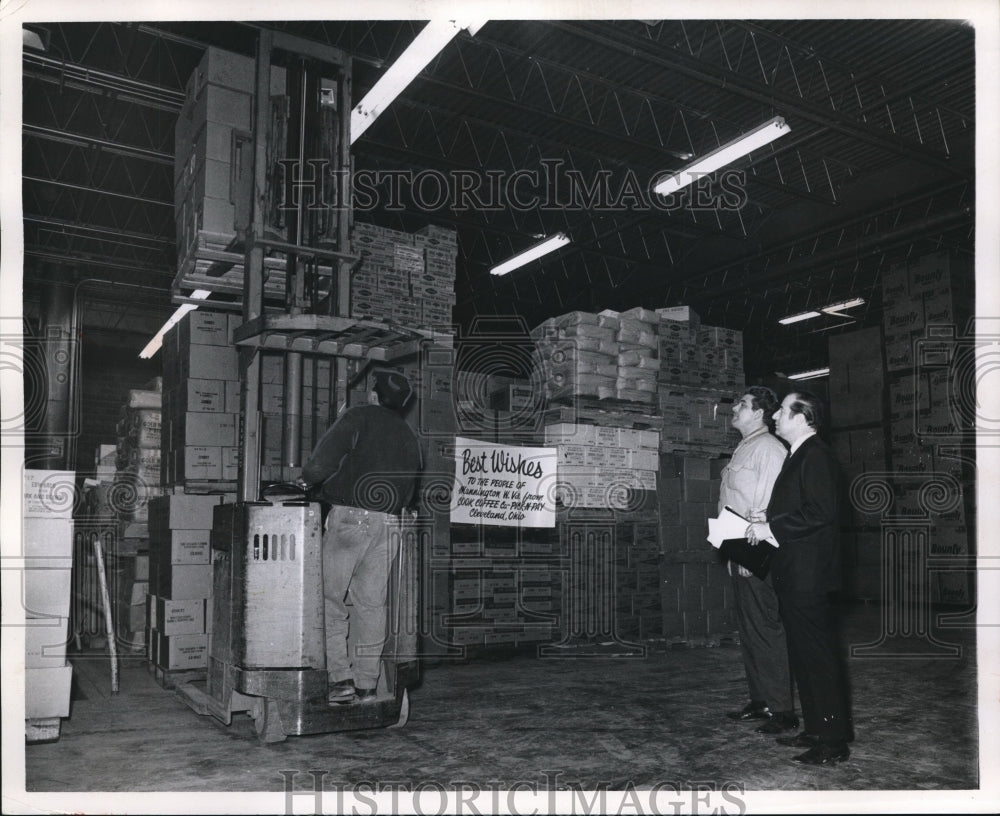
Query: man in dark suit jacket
x=802 y=519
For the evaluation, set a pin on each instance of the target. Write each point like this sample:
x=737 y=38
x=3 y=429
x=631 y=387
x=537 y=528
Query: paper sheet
x=729 y=524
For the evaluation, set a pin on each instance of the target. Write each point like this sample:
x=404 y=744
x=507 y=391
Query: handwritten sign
x=503 y=485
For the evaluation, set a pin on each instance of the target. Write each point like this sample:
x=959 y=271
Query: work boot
x=341 y=692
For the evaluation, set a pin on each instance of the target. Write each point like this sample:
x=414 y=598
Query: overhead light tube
x=795 y=318
x=835 y=309
x=532 y=253
x=724 y=155
x=812 y=374
x=426 y=45
x=153 y=345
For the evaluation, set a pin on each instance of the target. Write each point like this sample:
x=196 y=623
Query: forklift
x=267 y=646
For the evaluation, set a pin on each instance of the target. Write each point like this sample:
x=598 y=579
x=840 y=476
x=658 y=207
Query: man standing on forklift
x=367 y=464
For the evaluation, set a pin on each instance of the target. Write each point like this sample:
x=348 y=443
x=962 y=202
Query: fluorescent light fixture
x=726 y=154
x=812 y=374
x=543 y=247
x=153 y=345
x=426 y=45
x=835 y=309
x=31 y=38
x=795 y=318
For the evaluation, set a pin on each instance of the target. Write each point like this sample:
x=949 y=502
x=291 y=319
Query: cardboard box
x=46 y=692
x=181 y=511
x=209 y=362
x=171 y=616
x=180 y=652
x=47 y=537
x=184 y=582
x=183 y=547
x=47 y=583
x=232 y=403
x=45 y=641
x=48 y=493
x=197 y=463
x=204 y=396
x=202 y=429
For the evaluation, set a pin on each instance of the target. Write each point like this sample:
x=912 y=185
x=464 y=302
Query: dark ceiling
x=878 y=166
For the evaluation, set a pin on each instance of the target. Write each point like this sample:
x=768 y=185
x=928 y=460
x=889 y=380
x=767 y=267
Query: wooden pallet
x=214 y=262
x=603 y=412
x=172 y=678
x=42 y=729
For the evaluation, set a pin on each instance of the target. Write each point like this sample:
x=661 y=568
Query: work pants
x=762 y=640
x=358 y=552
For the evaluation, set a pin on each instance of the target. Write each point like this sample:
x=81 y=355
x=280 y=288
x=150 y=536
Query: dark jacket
x=368 y=458
x=804 y=516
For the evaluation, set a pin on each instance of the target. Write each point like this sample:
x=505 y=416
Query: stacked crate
x=493 y=587
x=927 y=304
x=668 y=580
x=701 y=369
x=406 y=279
x=47 y=550
x=433 y=287
x=201 y=401
x=212 y=148
x=638 y=601
x=601 y=465
x=178 y=606
x=695 y=585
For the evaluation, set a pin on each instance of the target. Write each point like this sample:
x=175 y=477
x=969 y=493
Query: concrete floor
x=583 y=721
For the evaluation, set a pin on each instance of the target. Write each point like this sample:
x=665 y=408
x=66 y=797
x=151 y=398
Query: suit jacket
x=804 y=516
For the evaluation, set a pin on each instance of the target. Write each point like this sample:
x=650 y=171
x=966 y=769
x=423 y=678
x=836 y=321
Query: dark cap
x=391 y=387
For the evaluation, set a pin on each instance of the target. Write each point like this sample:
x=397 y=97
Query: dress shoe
x=800 y=740
x=362 y=695
x=341 y=692
x=754 y=710
x=779 y=722
x=824 y=754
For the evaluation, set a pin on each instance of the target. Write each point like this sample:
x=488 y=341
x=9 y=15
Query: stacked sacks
x=638 y=359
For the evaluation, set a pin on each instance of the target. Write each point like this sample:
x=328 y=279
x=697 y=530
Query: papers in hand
x=727 y=533
x=729 y=524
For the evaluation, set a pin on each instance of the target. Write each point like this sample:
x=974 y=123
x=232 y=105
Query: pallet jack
x=267 y=647
x=267 y=654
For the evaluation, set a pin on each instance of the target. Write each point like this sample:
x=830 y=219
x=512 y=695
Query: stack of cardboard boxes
x=601 y=466
x=695 y=585
x=201 y=400
x=930 y=359
x=406 y=279
x=179 y=606
x=701 y=371
x=213 y=149
x=47 y=550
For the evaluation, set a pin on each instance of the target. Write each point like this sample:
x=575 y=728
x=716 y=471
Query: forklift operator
x=367 y=463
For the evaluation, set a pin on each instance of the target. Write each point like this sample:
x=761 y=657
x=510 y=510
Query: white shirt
x=749 y=477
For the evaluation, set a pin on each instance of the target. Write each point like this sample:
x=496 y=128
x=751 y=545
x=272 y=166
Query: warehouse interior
x=237 y=182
